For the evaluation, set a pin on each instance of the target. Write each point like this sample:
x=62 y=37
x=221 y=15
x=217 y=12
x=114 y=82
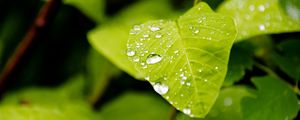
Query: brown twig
x=39 y=24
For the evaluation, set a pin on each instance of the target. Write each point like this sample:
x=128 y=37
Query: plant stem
x=40 y=22
x=172 y=115
x=273 y=74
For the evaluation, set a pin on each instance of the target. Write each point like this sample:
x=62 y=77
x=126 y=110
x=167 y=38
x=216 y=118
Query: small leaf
x=240 y=60
x=185 y=61
x=257 y=17
x=227 y=106
x=93 y=9
x=275 y=101
x=110 y=40
x=289 y=59
x=135 y=106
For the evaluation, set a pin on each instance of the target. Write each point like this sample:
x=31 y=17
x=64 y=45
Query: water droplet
x=181 y=95
x=130 y=53
x=153 y=58
x=167 y=97
x=188 y=84
x=158 y=36
x=261 y=8
x=136 y=28
x=176 y=51
x=182 y=82
x=216 y=68
x=186 y=111
x=228 y=101
x=262 y=27
x=147 y=78
x=200 y=70
x=136 y=59
x=154 y=28
x=205 y=80
x=160 y=88
x=196 y=31
x=251 y=7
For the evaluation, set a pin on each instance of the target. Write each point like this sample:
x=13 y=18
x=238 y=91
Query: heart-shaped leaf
x=184 y=60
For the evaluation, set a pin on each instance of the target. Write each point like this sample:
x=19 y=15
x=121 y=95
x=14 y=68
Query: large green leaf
x=227 y=106
x=256 y=17
x=110 y=40
x=185 y=60
x=275 y=101
x=94 y=9
x=136 y=106
x=289 y=59
x=63 y=103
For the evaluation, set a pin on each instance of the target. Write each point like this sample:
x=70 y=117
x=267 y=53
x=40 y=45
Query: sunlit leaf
x=64 y=103
x=185 y=60
x=288 y=58
x=257 y=17
x=275 y=101
x=136 y=106
x=110 y=40
x=227 y=106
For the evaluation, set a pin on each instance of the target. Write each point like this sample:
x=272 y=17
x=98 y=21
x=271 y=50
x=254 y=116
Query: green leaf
x=185 y=61
x=63 y=103
x=240 y=60
x=136 y=106
x=227 y=106
x=110 y=40
x=275 y=101
x=99 y=71
x=289 y=58
x=94 y=9
x=257 y=17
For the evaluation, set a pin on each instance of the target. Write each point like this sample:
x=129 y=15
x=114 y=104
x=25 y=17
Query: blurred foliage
x=62 y=76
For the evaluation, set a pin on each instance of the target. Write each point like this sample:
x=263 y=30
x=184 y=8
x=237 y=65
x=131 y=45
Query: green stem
x=273 y=74
x=172 y=115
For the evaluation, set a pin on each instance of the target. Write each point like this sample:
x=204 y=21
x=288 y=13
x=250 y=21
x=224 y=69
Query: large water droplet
x=196 y=31
x=261 y=8
x=153 y=58
x=130 y=53
x=186 y=111
x=160 y=88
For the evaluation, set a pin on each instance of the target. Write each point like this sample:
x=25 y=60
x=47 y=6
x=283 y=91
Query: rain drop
x=160 y=88
x=153 y=58
x=158 y=36
x=154 y=28
x=188 y=84
x=130 y=53
x=145 y=35
x=261 y=8
x=262 y=27
x=196 y=31
x=228 y=101
x=136 y=59
x=136 y=28
x=147 y=78
x=186 y=111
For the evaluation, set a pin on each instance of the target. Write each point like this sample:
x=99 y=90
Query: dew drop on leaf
x=153 y=58
x=228 y=101
x=136 y=59
x=186 y=111
x=154 y=28
x=160 y=88
x=262 y=27
x=130 y=53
